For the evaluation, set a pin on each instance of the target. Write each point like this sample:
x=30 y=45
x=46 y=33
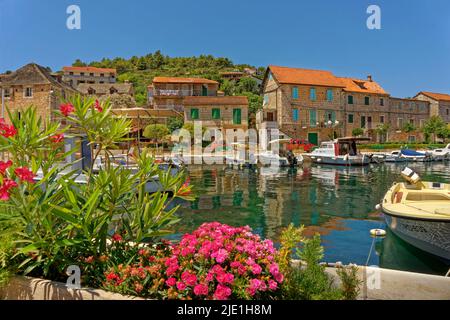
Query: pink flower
x=189 y=278
x=220 y=255
x=7 y=130
x=256 y=269
x=171 y=282
x=273 y=285
x=66 y=109
x=274 y=270
x=222 y=292
x=4 y=166
x=116 y=237
x=4 y=195
x=201 y=290
x=181 y=286
x=24 y=174
x=279 y=277
x=225 y=278
x=98 y=107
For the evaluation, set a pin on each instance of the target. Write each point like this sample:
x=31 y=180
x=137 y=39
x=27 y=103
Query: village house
x=198 y=99
x=317 y=105
x=439 y=104
x=34 y=85
x=78 y=75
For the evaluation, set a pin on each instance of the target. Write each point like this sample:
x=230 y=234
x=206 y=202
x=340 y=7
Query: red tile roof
x=436 y=96
x=183 y=80
x=215 y=100
x=305 y=77
x=90 y=69
x=362 y=86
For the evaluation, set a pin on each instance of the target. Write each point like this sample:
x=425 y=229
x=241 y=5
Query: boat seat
x=443 y=211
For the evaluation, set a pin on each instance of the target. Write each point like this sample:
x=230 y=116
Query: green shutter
x=330 y=95
x=295 y=93
x=350 y=118
x=350 y=99
x=312 y=118
x=194 y=114
x=236 y=116
x=333 y=116
x=366 y=101
x=216 y=113
x=312 y=94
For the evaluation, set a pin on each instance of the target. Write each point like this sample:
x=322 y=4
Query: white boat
x=419 y=213
x=441 y=154
x=412 y=155
x=277 y=155
x=341 y=151
x=394 y=156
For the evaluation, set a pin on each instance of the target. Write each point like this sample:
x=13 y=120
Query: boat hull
x=427 y=235
x=341 y=161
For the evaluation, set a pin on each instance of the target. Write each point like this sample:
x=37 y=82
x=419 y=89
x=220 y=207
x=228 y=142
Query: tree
x=174 y=123
x=408 y=127
x=381 y=131
x=357 y=132
x=156 y=132
x=434 y=126
x=228 y=87
x=247 y=85
x=79 y=63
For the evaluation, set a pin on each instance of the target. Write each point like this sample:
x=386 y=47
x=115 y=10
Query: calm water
x=336 y=202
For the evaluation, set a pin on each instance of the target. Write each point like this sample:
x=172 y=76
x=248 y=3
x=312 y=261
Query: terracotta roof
x=90 y=69
x=30 y=74
x=183 y=80
x=104 y=88
x=362 y=86
x=436 y=96
x=215 y=100
x=305 y=76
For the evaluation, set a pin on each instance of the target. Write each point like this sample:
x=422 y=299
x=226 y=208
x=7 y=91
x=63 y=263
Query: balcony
x=177 y=93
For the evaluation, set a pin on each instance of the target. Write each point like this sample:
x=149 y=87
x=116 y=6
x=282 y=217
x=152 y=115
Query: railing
x=176 y=92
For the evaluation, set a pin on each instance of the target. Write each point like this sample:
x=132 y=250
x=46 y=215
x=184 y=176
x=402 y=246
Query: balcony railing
x=176 y=92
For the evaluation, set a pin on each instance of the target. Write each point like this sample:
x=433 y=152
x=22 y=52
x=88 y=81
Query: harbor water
x=336 y=202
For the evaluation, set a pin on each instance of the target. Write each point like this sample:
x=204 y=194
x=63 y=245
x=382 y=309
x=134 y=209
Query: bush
x=214 y=262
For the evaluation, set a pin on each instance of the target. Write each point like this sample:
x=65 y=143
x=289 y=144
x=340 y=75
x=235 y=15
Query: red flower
x=24 y=174
x=57 y=138
x=116 y=237
x=7 y=130
x=4 y=189
x=98 y=107
x=66 y=109
x=4 y=166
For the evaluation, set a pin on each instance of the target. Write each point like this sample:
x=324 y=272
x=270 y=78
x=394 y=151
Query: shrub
x=216 y=261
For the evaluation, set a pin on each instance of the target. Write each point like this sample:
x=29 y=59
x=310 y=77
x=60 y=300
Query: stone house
x=33 y=84
x=317 y=105
x=78 y=75
x=439 y=104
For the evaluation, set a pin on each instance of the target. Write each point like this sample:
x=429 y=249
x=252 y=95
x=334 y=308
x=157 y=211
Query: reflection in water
x=337 y=202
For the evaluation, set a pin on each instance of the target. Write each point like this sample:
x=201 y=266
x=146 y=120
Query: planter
x=26 y=288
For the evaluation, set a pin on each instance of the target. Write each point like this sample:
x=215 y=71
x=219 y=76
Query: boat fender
x=378 y=232
x=378 y=207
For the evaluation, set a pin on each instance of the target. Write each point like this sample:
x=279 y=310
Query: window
x=412 y=139
x=312 y=94
x=6 y=92
x=399 y=123
x=28 y=92
x=350 y=99
x=295 y=93
x=381 y=102
x=366 y=101
x=91 y=74
x=270 y=76
x=381 y=119
x=236 y=116
x=312 y=118
x=71 y=73
x=350 y=118
x=215 y=113
x=102 y=74
x=194 y=114
x=81 y=73
x=363 y=121
x=295 y=115
x=266 y=99
x=330 y=95
x=411 y=121
x=421 y=122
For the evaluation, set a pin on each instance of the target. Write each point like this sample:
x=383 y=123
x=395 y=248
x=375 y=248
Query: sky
x=410 y=53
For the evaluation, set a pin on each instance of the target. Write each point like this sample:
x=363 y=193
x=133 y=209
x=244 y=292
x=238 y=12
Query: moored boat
x=394 y=156
x=412 y=155
x=341 y=151
x=419 y=213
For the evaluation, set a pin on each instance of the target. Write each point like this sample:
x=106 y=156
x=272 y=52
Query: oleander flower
x=66 y=109
x=97 y=106
x=4 y=166
x=116 y=237
x=57 y=138
x=24 y=174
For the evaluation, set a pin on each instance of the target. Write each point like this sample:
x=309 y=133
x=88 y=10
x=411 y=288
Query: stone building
x=34 y=85
x=77 y=75
x=439 y=104
x=317 y=105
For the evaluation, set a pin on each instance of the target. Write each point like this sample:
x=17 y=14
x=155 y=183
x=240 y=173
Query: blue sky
x=410 y=53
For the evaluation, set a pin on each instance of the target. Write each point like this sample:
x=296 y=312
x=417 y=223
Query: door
x=236 y=116
x=270 y=116
x=363 y=122
x=204 y=90
x=313 y=137
x=369 y=123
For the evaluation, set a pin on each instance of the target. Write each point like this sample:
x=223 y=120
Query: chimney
x=369 y=77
